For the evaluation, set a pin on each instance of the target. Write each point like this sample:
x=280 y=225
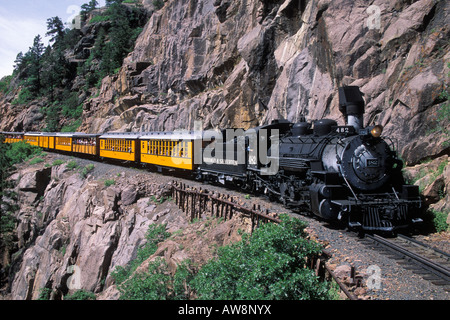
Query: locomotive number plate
x=373 y=163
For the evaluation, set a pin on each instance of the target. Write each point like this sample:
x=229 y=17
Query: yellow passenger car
x=120 y=146
x=47 y=140
x=85 y=143
x=32 y=138
x=166 y=149
x=63 y=142
x=12 y=137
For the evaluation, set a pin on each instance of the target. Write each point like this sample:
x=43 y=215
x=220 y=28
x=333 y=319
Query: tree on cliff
x=31 y=63
x=87 y=8
x=55 y=29
x=51 y=71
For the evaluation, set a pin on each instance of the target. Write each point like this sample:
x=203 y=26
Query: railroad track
x=432 y=264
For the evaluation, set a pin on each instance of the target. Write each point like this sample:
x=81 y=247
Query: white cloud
x=16 y=35
x=21 y=21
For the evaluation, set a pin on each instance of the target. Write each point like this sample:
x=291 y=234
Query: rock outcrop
x=229 y=63
x=240 y=64
x=68 y=224
x=433 y=179
x=73 y=231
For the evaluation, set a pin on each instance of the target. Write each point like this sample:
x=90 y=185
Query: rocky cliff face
x=73 y=231
x=243 y=63
x=230 y=63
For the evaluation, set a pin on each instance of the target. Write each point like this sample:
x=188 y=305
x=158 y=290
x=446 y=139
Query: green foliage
x=25 y=96
x=87 y=8
x=84 y=172
x=55 y=29
x=21 y=151
x=57 y=162
x=36 y=160
x=10 y=154
x=29 y=68
x=7 y=223
x=44 y=294
x=100 y=18
x=81 y=295
x=155 y=234
x=157 y=283
x=5 y=83
x=71 y=106
x=46 y=71
x=109 y=182
x=267 y=265
x=158 y=4
x=72 y=127
x=440 y=220
x=151 y=285
x=122 y=36
x=72 y=165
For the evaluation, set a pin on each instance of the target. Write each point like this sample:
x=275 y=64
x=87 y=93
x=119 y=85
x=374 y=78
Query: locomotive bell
x=351 y=104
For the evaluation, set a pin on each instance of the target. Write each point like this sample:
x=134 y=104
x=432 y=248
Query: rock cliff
x=243 y=63
x=229 y=63
x=74 y=230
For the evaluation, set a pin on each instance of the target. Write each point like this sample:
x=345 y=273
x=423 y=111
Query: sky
x=22 y=20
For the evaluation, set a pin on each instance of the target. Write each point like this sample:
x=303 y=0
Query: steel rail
x=424 y=262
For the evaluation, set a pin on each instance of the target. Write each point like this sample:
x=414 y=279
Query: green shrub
x=84 y=172
x=57 y=162
x=151 y=285
x=267 y=265
x=157 y=283
x=72 y=165
x=44 y=294
x=24 y=97
x=440 y=220
x=36 y=160
x=72 y=127
x=7 y=223
x=100 y=18
x=81 y=295
x=21 y=151
x=110 y=182
x=5 y=83
x=158 y=4
x=156 y=233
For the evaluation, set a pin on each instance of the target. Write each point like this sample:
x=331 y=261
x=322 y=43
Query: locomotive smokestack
x=351 y=104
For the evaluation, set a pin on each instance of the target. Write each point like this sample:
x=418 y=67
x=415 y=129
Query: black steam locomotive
x=339 y=173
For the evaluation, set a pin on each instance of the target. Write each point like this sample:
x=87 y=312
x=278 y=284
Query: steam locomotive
x=339 y=173
x=345 y=173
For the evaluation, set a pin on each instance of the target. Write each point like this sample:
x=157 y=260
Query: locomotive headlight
x=377 y=131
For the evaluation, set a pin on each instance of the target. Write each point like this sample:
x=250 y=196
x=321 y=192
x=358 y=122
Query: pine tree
x=93 y=4
x=32 y=62
x=55 y=29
